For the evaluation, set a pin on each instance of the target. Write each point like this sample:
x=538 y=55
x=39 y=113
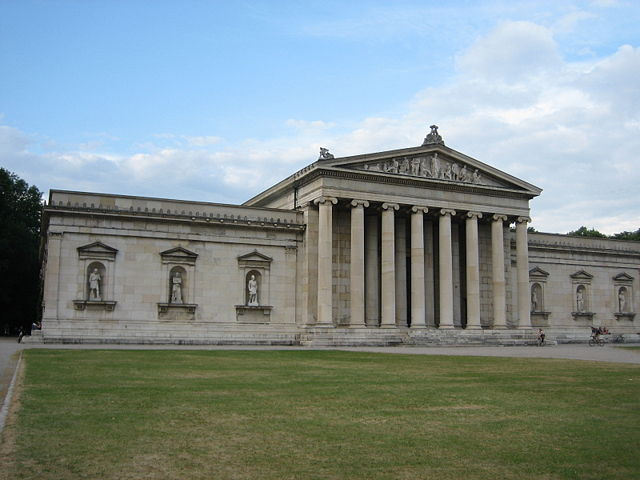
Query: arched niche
x=250 y=309
x=178 y=273
x=178 y=285
x=253 y=281
x=96 y=277
x=581 y=297
x=623 y=300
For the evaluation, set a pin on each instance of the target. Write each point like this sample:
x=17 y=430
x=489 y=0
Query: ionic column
x=418 y=313
x=357 y=262
x=325 y=247
x=446 y=268
x=497 y=260
x=473 y=271
x=522 y=259
x=372 y=271
x=310 y=265
x=401 y=271
x=388 y=265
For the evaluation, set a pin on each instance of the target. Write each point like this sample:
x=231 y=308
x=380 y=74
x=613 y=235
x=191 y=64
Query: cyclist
x=540 y=337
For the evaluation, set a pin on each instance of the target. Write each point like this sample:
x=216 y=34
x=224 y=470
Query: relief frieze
x=431 y=166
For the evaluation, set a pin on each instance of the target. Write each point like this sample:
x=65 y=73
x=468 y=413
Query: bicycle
x=618 y=338
x=540 y=342
x=596 y=340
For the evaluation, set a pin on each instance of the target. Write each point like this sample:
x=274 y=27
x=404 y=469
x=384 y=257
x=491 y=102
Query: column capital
x=497 y=217
x=393 y=206
x=474 y=215
x=523 y=219
x=447 y=211
x=419 y=209
x=359 y=203
x=321 y=200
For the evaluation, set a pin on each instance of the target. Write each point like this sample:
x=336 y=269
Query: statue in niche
x=252 y=287
x=94 y=285
x=324 y=154
x=534 y=299
x=580 y=300
x=622 y=300
x=176 y=288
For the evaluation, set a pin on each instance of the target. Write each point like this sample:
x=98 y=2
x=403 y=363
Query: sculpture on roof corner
x=433 y=137
x=324 y=154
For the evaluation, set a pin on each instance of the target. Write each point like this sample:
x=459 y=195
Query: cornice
x=443 y=185
x=224 y=220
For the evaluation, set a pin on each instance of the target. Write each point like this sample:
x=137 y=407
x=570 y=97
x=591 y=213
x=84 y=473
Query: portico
x=414 y=238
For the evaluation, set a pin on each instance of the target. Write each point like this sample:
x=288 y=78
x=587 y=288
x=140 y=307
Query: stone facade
x=419 y=245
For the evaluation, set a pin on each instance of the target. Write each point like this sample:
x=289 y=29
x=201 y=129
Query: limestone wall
x=214 y=249
x=562 y=264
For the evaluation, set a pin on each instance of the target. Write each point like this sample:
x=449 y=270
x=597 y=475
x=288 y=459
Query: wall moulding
x=107 y=306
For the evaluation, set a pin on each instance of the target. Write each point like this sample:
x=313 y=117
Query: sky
x=217 y=100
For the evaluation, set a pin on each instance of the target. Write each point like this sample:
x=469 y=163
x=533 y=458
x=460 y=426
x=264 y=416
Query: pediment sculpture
x=432 y=166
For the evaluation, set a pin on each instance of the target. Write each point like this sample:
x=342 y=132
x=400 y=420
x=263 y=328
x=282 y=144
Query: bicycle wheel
x=592 y=342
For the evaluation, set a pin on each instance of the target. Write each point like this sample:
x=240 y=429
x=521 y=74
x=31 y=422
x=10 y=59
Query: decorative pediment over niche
x=537 y=273
x=254 y=259
x=623 y=278
x=179 y=255
x=581 y=275
x=97 y=250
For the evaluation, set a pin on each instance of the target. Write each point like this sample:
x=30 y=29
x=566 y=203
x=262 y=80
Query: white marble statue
x=94 y=285
x=622 y=300
x=176 y=288
x=580 y=300
x=252 y=286
x=534 y=300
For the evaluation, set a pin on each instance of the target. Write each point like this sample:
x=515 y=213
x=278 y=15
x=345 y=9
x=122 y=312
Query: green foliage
x=627 y=235
x=321 y=414
x=587 y=232
x=20 y=213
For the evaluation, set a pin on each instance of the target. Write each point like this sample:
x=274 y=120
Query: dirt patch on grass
x=9 y=434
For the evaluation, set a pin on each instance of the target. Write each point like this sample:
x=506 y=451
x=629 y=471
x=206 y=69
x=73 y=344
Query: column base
x=446 y=327
x=473 y=327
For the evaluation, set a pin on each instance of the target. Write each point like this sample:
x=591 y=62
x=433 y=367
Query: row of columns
x=366 y=250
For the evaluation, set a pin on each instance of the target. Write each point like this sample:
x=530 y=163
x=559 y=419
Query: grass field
x=320 y=415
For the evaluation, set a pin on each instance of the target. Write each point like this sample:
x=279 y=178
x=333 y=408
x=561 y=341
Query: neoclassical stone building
x=421 y=245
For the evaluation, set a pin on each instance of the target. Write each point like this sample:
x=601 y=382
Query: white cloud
x=572 y=128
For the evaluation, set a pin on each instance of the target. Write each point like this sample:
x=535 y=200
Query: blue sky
x=217 y=100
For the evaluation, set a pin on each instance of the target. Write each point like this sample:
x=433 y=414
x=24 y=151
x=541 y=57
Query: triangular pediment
x=623 y=277
x=254 y=256
x=178 y=253
x=537 y=272
x=97 y=250
x=581 y=275
x=432 y=163
x=97 y=247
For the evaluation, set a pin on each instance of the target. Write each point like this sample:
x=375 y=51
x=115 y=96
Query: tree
x=627 y=235
x=20 y=213
x=587 y=232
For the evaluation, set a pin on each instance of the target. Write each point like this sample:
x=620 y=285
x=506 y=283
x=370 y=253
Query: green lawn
x=320 y=415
